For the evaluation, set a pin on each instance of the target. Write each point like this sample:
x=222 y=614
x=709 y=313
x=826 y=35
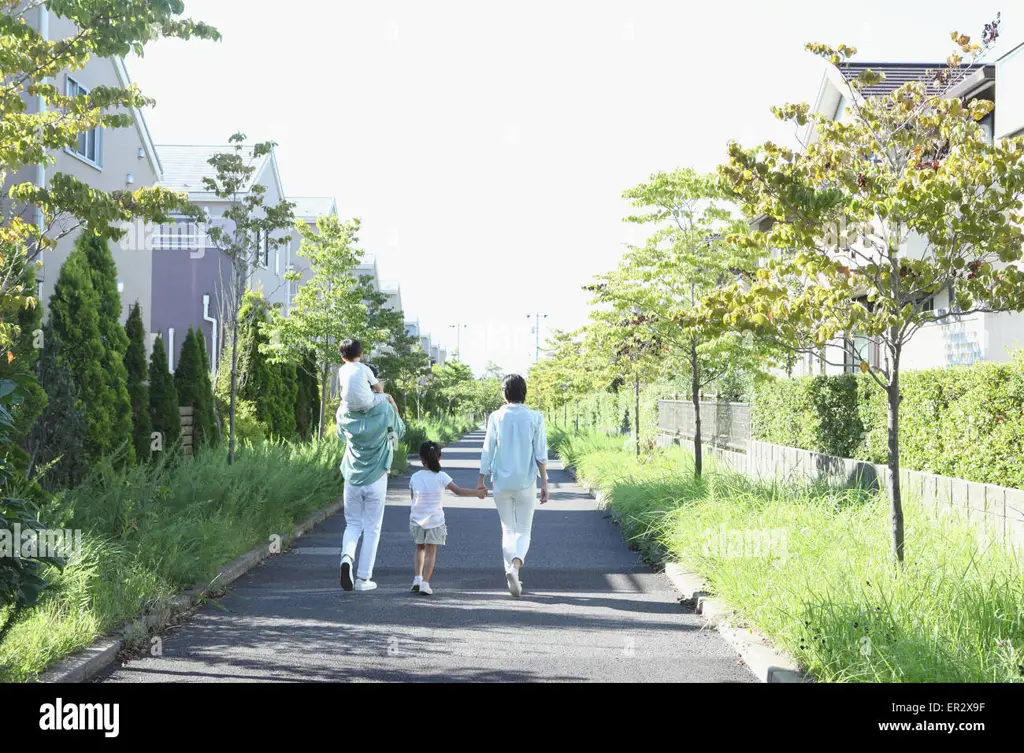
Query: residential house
x=955 y=340
x=307 y=209
x=190 y=273
x=104 y=159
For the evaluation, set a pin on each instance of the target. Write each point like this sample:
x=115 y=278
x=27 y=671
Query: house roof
x=312 y=207
x=185 y=166
x=898 y=74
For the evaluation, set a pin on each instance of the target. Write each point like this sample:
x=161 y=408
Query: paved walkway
x=591 y=611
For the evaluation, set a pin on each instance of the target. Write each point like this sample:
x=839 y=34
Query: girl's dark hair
x=430 y=454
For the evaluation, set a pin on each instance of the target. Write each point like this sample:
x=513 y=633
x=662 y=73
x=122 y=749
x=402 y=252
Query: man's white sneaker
x=425 y=588
x=345 y=579
x=514 y=586
x=365 y=585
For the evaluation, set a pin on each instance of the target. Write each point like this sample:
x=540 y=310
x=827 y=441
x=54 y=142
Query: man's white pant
x=364 y=516
x=516 y=512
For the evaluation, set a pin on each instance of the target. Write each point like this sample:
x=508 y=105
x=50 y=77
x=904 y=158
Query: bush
x=966 y=422
x=815 y=413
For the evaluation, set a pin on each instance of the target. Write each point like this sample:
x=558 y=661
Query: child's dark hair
x=351 y=349
x=430 y=454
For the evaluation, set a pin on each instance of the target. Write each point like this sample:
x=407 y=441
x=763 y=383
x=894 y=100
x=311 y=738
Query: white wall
x=1010 y=93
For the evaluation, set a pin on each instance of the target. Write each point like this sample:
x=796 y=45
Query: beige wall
x=120 y=156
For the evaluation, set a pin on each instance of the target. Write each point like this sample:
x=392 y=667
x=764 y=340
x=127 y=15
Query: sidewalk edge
x=91 y=661
x=768 y=664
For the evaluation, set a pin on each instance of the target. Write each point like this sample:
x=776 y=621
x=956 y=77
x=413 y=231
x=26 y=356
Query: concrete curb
x=88 y=663
x=769 y=665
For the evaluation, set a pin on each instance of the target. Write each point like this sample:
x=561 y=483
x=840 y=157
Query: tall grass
x=810 y=566
x=155 y=530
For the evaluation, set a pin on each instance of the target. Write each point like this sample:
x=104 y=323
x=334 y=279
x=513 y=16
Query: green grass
x=159 y=529
x=810 y=567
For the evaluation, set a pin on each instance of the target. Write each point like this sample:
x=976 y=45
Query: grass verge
x=810 y=567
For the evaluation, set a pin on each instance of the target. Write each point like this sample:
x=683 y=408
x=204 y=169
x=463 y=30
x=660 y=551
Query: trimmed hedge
x=965 y=422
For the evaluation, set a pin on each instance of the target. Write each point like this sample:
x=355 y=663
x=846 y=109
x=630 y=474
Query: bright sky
x=486 y=147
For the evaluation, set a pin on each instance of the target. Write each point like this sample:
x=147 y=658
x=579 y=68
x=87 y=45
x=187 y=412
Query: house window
x=262 y=249
x=988 y=125
x=859 y=348
x=90 y=143
x=840 y=109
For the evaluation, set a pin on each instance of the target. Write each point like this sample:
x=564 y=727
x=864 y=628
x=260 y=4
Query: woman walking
x=515 y=454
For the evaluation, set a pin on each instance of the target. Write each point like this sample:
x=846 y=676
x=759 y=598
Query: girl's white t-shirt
x=427 y=489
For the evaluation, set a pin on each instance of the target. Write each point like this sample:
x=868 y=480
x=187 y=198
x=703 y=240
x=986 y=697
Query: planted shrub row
x=966 y=422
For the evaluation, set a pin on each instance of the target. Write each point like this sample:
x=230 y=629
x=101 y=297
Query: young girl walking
x=426 y=518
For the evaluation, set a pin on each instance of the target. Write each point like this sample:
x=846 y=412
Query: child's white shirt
x=356 y=381
x=427 y=489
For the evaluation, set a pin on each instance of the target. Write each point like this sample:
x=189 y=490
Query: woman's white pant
x=516 y=512
x=364 y=516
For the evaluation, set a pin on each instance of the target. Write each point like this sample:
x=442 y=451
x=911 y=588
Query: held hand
x=481 y=493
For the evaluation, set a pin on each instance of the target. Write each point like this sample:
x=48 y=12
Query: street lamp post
x=536 y=328
x=458 y=337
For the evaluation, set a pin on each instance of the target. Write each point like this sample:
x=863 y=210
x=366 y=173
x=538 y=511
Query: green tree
x=192 y=383
x=103 y=272
x=39 y=216
x=687 y=257
x=138 y=381
x=327 y=308
x=925 y=206
x=255 y=229
x=164 y=413
x=208 y=418
x=19 y=365
x=270 y=388
x=57 y=441
x=307 y=398
x=75 y=316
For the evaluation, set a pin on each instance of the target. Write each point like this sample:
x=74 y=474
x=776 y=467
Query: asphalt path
x=591 y=610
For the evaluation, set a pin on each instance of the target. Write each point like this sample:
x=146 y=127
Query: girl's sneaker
x=416 y=584
x=425 y=588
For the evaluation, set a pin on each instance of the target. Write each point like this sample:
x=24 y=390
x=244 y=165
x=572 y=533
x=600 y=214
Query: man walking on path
x=370 y=439
x=515 y=453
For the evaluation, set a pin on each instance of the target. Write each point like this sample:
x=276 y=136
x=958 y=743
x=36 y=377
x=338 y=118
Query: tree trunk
x=577 y=416
x=698 y=445
x=324 y=373
x=234 y=389
x=893 y=469
x=636 y=412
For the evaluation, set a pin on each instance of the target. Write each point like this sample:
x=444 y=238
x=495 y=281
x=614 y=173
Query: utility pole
x=536 y=328
x=458 y=337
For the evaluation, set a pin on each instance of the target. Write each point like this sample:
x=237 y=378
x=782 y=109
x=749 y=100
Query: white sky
x=486 y=148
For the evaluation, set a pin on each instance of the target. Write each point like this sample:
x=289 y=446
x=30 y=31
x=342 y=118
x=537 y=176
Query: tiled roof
x=185 y=166
x=897 y=74
x=311 y=207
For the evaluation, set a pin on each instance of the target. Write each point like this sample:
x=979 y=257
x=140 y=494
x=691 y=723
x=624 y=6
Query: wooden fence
x=186 y=428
